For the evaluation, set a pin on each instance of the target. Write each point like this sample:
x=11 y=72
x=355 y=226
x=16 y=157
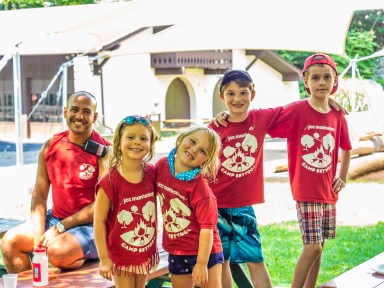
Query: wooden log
x=369 y=135
x=281 y=168
x=366 y=164
x=365 y=147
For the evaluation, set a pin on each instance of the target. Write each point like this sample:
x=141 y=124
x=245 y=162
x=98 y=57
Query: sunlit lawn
x=352 y=246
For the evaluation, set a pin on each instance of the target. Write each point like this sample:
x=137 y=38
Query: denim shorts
x=83 y=233
x=239 y=235
x=183 y=264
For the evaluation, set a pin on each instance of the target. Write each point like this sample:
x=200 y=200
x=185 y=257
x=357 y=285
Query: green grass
x=282 y=247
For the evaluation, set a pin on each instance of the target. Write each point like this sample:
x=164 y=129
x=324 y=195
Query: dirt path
x=359 y=204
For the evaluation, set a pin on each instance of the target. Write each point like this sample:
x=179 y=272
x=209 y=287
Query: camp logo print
x=144 y=231
x=176 y=216
x=240 y=156
x=317 y=151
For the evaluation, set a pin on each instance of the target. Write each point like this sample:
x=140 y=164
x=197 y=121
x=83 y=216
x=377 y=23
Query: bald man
x=70 y=172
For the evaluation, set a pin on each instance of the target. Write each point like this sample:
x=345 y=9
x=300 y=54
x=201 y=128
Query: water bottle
x=40 y=267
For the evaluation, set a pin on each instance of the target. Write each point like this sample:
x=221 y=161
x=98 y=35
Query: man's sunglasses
x=133 y=119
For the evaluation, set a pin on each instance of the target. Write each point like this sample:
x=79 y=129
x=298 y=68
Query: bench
x=179 y=125
x=362 y=276
x=88 y=276
x=6 y=224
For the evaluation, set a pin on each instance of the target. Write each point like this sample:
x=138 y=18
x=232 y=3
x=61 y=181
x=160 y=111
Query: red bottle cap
x=40 y=248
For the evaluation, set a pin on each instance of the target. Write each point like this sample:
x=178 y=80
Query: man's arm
x=84 y=216
x=104 y=162
x=40 y=195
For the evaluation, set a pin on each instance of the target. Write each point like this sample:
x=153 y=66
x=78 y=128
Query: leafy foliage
x=365 y=36
x=22 y=4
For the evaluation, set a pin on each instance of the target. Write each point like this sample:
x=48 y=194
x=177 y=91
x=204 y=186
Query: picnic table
x=178 y=125
x=86 y=276
x=6 y=224
x=361 y=276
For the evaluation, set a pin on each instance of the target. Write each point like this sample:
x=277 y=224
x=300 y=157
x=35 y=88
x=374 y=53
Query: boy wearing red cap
x=314 y=133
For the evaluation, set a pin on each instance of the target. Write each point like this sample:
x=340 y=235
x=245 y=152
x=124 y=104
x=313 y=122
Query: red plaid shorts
x=317 y=221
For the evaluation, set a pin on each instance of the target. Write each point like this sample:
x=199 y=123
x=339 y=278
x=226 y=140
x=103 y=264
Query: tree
x=22 y=4
x=365 y=36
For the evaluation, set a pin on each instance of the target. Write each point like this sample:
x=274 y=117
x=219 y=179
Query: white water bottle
x=40 y=267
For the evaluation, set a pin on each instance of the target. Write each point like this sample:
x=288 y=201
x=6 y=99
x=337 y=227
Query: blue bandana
x=184 y=176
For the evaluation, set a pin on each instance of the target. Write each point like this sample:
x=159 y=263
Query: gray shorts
x=83 y=233
x=239 y=235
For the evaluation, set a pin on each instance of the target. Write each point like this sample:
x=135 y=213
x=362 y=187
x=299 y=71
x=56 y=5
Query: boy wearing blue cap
x=240 y=178
x=314 y=133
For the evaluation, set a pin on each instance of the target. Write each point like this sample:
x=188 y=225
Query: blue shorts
x=83 y=233
x=183 y=264
x=239 y=235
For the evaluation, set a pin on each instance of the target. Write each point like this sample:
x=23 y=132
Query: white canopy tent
x=83 y=28
x=296 y=25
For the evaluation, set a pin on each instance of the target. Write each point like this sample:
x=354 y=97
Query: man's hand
x=220 y=119
x=48 y=236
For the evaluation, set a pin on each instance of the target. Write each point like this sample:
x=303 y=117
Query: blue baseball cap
x=232 y=75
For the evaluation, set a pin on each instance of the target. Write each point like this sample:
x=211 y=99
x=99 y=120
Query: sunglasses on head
x=140 y=119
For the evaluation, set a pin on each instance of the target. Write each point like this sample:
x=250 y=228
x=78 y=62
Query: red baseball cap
x=319 y=58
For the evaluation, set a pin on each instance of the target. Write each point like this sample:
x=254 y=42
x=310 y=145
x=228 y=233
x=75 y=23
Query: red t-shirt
x=313 y=141
x=73 y=173
x=187 y=207
x=240 y=177
x=132 y=223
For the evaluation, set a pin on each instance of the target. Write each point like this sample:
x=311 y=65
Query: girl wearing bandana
x=189 y=209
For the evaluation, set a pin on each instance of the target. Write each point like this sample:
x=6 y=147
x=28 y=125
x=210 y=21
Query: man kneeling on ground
x=71 y=172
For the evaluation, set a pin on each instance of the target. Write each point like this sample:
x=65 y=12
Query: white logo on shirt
x=176 y=217
x=319 y=151
x=86 y=171
x=239 y=158
x=143 y=232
